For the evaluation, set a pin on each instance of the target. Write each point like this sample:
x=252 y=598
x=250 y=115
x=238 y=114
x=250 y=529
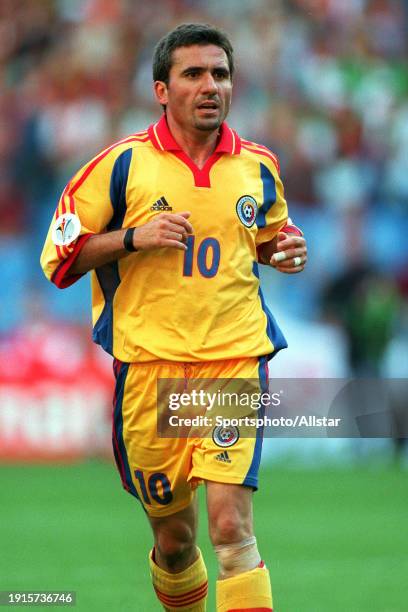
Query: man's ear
x=160 y=91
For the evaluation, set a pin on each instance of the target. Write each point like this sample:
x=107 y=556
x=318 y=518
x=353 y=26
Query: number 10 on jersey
x=208 y=255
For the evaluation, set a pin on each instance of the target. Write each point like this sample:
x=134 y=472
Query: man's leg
x=243 y=581
x=177 y=568
x=155 y=470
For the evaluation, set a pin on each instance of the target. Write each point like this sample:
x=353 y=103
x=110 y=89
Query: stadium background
x=323 y=83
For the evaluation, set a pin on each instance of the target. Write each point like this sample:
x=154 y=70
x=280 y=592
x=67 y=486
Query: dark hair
x=185 y=35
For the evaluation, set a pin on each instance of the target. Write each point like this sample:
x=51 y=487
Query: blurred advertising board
x=55 y=395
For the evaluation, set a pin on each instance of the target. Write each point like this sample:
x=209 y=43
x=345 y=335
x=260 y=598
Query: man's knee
x=174 y=540
x=231 y=530
x=230 y=527
x=174 y=551
x=234 y=544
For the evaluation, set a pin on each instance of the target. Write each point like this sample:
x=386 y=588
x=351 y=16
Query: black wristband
x=128 y=240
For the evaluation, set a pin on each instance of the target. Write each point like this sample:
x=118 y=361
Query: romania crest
x=246 y=210
x=225 y=436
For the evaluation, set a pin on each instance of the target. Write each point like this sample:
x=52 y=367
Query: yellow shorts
x=163 y=472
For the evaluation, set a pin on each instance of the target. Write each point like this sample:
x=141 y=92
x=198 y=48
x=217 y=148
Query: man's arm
x=165 y=230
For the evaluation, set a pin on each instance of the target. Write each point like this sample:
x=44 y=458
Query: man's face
x=198 y=94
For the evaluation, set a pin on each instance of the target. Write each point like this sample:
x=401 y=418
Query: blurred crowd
x=323 y=83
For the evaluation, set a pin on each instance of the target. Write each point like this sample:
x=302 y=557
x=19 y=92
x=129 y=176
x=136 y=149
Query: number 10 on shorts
x=157 y=488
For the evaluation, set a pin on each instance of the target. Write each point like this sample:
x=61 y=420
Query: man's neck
x=199 y=145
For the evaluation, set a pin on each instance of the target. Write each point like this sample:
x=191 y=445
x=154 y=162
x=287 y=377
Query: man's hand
x=165 y=230
x=290 y=254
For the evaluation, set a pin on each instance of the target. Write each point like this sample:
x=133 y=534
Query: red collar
x=163 y=140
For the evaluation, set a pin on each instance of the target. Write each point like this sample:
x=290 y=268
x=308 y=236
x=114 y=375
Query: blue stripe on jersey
x=119 y=447
x=108 y=275
x=109 y=280
x=269 y=195
x=117 y=191
x=273 y=331
x=251 y=479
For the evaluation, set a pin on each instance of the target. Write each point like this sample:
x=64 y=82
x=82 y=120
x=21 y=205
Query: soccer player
x=173 y=221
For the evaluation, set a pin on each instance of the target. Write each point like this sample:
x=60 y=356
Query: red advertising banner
x=56 y=392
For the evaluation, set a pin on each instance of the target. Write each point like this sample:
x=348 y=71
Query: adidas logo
x=161 y=204
x=223 y=457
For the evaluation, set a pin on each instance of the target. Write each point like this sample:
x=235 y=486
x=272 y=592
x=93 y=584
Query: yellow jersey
x=165 y=304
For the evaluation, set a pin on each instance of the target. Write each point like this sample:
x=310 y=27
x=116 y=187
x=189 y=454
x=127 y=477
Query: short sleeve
x=85 y=208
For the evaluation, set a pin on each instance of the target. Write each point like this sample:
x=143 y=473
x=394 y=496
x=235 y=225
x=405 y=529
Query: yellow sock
x=186 y=590
x=246 y=592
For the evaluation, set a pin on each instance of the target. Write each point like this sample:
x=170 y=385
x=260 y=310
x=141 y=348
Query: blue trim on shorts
x=251 y=479
x=118 y=443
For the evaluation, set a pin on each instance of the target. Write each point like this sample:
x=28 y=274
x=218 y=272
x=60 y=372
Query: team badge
x=246 y=210
x=66 y=229
x=225 y=436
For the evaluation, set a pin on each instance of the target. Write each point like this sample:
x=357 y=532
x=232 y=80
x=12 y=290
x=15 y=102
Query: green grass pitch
x=333 y=539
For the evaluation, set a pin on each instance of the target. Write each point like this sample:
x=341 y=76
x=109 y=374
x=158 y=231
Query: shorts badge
x=225 y=436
